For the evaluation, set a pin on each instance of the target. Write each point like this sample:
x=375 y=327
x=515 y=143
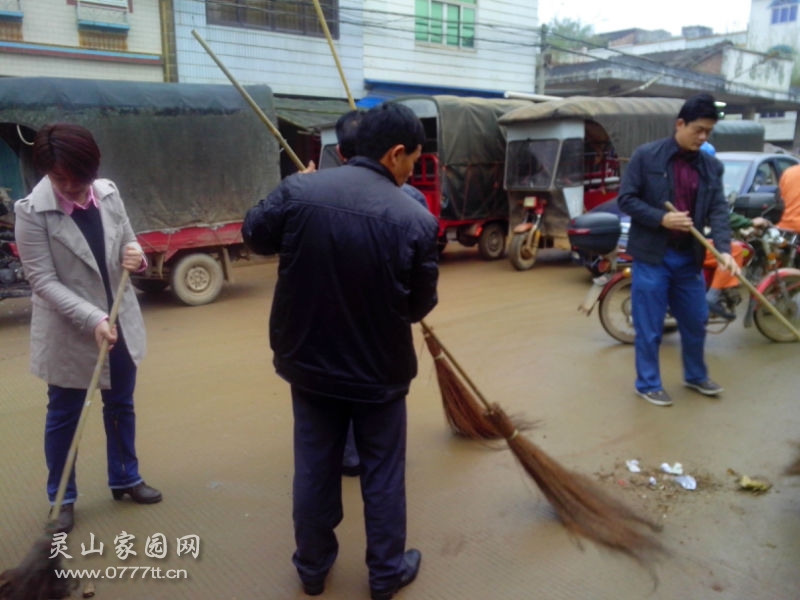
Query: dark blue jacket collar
x=363 y=161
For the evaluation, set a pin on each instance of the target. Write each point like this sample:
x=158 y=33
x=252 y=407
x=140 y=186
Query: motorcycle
x=768 y=256
x=526 y=235
x=12 y=278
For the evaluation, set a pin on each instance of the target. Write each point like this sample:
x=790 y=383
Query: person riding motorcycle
x=789 y=189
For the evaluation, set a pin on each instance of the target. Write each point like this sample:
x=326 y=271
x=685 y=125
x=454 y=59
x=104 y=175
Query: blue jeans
x=676 y=283
x=320 y=431
x=63 y=411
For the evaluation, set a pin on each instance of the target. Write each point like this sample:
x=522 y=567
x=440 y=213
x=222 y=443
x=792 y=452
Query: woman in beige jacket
x=75 y=239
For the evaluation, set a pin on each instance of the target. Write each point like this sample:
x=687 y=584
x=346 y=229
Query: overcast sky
x=723 y=16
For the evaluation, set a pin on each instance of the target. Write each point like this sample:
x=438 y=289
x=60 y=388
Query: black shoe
x=65 y=521
x=352 y=470
x=314 y=588
x=411 y=560
x=141 y=493
x=657 y=397
x=707 y=387
x=717 y=308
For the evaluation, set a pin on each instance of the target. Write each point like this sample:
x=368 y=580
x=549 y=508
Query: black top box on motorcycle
x=594 y=232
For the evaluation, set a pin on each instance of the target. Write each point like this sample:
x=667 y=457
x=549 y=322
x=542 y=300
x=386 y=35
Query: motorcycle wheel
x=615 y=312
x=523 y=258
x=789 y=306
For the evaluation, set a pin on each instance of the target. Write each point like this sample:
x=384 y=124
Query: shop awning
x=309 y=115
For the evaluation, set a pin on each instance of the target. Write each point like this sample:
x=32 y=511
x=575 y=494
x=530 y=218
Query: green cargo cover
x=471 y=148
x=182 y=154
x=629 y=122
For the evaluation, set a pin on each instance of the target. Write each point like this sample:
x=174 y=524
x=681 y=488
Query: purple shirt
x=685 y=180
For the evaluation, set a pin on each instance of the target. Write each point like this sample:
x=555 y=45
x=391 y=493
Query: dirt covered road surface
x=214 y=434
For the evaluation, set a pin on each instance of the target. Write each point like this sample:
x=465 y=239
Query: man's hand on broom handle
x=681 y=221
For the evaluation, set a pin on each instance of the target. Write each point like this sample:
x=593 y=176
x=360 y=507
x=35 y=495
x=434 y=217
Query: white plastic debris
x=652 y=481
x=687 y=482
x=676 y=469
x=633 y=465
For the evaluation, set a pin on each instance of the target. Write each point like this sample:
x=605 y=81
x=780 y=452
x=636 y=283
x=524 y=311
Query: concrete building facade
x=384 y=46
x=101 y=39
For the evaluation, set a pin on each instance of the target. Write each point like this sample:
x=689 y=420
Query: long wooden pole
x=284 y=144
x=324 y=24
x=87 y=402
x=750 y=287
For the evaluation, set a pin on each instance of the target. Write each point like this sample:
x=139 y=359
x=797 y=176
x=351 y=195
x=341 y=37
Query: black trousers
x=320 y=431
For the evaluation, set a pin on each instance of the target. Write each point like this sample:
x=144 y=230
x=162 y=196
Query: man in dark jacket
x=358 y=265
x=346 y=138
x=667 y=259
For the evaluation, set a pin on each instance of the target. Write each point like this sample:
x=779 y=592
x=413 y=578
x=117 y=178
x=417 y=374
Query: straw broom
x=463 y=412
x=583 y=507
x=35 y=577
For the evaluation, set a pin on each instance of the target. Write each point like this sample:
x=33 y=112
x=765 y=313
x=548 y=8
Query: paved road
x=215 y=436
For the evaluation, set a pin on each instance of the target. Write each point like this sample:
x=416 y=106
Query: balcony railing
x=110 y=15
x=11 y=9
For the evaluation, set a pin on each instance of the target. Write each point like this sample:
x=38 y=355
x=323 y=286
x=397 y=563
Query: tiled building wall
x=53 y=44
x=289 y=63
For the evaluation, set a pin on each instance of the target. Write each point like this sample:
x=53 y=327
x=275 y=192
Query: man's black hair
x=386 y=126
x=346 y=133
x=700 y=106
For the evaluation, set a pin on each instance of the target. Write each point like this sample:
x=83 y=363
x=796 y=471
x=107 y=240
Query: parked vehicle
x=12 y=278
x=189 y=160
x=767 y=254
x=564 y=157
x=461 y=168
x=751 y=181
x=737 y=135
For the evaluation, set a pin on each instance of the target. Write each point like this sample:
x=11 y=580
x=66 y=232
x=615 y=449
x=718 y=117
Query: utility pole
x=540 y=75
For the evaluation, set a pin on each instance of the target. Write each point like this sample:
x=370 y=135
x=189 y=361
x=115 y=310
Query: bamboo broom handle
x=284 y=144
x=90 y=392
x=750 y=287
x=324 y=25
x=426 y=329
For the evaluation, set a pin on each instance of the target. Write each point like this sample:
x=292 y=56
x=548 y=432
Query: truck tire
x=492 y=242
x=196 y=279
x=150 y=286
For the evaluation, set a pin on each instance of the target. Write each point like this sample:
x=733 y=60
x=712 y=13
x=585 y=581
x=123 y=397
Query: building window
x=784 y=11
x=10 y=20
x=448 y=23
x=285 y=16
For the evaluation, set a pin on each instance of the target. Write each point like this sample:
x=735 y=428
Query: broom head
x=464 y=413
x=35 y=577
x=582 y=506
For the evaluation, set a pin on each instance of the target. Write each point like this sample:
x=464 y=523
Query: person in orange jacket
x=789 y=186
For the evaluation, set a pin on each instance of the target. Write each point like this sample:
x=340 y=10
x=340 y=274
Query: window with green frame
x=449 y=23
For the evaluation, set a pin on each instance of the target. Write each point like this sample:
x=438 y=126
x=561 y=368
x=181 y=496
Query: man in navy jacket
x=358 y=265
x=667 y=259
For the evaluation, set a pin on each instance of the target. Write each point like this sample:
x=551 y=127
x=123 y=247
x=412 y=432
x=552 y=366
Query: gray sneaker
x=707 y=387
x=657 y=397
